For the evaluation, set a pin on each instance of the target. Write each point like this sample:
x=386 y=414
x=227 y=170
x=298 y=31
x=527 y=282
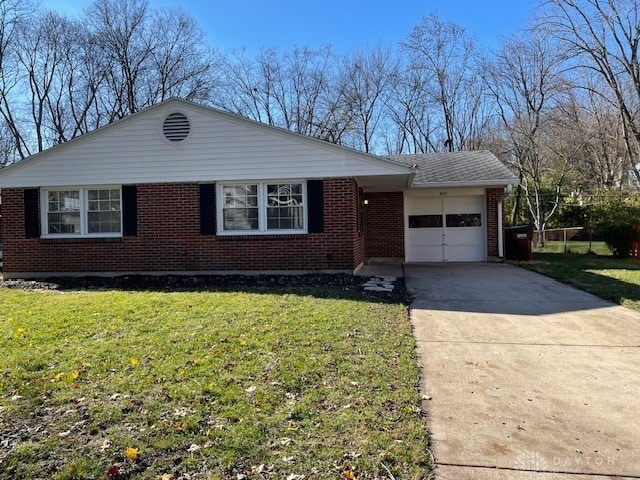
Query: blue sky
x=346 y=24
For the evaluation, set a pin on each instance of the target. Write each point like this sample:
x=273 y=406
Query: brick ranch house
x=184 y=188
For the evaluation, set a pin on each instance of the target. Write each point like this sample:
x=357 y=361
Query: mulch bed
x=343 y=282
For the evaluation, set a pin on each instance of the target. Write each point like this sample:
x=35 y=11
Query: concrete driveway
x=524 y=377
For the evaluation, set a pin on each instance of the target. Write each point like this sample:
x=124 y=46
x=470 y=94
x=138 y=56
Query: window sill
x=259 y=236
x=85 y=239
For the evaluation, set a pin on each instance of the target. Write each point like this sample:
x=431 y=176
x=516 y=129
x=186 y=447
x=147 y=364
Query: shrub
x=619 y=238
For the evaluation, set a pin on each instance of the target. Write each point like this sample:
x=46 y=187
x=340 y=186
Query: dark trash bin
x=518 y=242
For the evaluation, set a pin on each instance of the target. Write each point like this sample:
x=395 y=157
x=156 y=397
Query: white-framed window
x=82 y=211
x=273 y=207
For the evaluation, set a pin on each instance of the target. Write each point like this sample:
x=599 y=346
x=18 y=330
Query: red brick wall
x=169 y=239
x=494 y=195
x=384 y=225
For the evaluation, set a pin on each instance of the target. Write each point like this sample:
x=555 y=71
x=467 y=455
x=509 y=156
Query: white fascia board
x=498 y=183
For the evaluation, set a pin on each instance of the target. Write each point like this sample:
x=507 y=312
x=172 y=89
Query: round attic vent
x=176 y=127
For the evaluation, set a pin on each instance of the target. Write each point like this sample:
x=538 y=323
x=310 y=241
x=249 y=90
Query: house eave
x=498 y=183
x=383 y=183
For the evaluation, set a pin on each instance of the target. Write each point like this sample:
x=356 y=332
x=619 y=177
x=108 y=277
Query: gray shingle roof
x=476 y=166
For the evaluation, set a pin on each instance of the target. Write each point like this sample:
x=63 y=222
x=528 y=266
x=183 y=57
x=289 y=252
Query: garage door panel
x=424 y=236
x=425 y=253
x=463 y=253
x=465 y=236
x=464 y=204
x=421 y=206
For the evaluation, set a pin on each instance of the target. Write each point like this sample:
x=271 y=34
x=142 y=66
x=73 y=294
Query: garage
x=445 y=225
x=449 y=211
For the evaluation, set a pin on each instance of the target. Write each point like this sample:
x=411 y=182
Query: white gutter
x=470 y=183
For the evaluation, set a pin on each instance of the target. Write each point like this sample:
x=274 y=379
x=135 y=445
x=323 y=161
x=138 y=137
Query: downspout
x=500 y=240
x=412 y=175
x=507 y=190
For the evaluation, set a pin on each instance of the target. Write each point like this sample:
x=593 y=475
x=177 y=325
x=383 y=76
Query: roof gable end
x=179 y=141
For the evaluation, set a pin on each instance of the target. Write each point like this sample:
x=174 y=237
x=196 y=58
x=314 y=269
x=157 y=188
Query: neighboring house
x=184 y=188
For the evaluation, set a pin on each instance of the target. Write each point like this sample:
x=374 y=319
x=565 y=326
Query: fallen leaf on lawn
x=114 y=471
x=262 y=468
x=295 y=476
x=64 y=434
x=165 y=476
x=292 y=426
x=193 y=448
x=288 y=459
x=348 y=474
x=131 y=453
x=251 y=389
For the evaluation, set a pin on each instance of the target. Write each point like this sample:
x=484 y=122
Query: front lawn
x=610 y=278
x=207 y=384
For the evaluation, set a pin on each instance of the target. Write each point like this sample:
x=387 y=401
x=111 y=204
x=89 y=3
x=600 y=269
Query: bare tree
x=297 y=90
x=604 y=37
x=411 y=113
x=60 y=77
x=12 y=14
x=365 y=78
x=444 y=57
x=121 y=34
x=41 y=57
x=605 y=163
x=7 y=146
x=530 y=93
x=181 y=63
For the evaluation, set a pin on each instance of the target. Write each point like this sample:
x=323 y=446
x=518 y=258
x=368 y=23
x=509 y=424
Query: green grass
x=573 y=246
x=207 y=385
x=610 y=278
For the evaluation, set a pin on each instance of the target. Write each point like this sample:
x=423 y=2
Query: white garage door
x=444 y=229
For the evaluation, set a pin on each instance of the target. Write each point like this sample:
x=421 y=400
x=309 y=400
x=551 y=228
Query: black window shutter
x=208 y=208
x=129 y=210
x=315 y=200
x=360 y=210
x=31 y=219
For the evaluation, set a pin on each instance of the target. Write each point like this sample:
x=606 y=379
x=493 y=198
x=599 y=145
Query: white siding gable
x=219 y=147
